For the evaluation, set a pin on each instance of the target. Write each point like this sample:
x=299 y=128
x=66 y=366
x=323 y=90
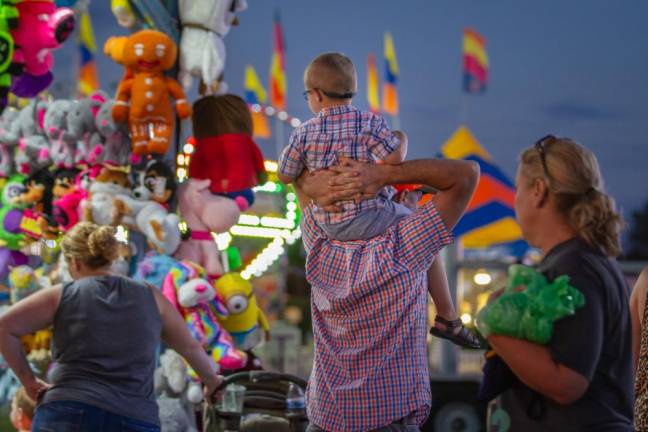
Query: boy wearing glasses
x=340 y=129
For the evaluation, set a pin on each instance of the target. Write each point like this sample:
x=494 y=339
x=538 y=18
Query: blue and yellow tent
x=489 y=220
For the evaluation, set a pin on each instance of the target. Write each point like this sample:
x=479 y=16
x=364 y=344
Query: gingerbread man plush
x=144 y=95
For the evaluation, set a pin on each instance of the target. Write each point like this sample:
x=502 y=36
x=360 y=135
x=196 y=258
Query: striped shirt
x=369 y=306
x=341 y=130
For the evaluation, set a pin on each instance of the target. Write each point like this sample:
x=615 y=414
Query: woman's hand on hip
x=36 y=389
x=212 y=390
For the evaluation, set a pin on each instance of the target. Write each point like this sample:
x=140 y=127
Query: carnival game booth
x=180 y=206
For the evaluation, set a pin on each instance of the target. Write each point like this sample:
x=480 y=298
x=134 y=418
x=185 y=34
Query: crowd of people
x=371 y=261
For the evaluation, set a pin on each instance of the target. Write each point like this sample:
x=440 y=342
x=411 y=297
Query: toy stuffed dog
x=143 y=97
x=111 y=182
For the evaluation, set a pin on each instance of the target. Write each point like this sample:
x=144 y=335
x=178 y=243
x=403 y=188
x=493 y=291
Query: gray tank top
x=106 y=333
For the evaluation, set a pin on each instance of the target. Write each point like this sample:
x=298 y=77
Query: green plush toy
x=11 y=214
x=529 y=306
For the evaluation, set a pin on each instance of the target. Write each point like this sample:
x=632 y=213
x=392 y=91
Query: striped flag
x=390 y=94
x=372 y=84
x=475 y=62
x=88 y=79
x=255 y=96
x=278 y=68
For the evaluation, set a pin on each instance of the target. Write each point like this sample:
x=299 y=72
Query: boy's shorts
x=367 y=224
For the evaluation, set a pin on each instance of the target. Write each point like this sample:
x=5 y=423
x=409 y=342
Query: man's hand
x=359 y=180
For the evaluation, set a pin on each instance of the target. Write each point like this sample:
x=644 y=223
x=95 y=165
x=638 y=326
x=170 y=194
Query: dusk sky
x=573 y=68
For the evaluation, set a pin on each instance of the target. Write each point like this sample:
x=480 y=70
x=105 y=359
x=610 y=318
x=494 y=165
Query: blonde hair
x=574 y=178
x=333 y=73
x=25 y=403
x=93 y=245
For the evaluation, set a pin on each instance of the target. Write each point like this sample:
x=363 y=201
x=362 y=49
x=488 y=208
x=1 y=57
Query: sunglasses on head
x=541 y=147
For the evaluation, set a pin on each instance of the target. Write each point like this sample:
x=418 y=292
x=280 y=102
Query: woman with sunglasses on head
x=106 y=332
x=581 y=380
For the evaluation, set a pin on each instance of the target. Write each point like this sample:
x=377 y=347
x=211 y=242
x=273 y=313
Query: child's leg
x=446 y=323
x=440 y=291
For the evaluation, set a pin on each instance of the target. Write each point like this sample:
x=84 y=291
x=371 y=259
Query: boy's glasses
x=541 y=147
x=332 y=95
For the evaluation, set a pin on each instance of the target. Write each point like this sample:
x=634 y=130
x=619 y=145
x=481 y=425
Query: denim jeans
x=69 y=416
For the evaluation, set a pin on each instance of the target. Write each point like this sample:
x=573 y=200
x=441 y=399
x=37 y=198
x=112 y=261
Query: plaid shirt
x=341 y=130
x=369 y=306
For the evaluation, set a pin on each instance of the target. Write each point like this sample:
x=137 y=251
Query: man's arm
x=455 y=181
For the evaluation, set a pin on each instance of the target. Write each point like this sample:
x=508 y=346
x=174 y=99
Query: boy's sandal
x=463 y=337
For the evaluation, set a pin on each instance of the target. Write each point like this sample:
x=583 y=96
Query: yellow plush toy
x=245 y=319
x=144 y=95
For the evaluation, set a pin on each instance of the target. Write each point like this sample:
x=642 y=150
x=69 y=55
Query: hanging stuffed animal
x=187 y=289
x=144 y=99
x=112 y=181
x=8 y=67
x=82 y=127
x=153 y=268
x=202 y=51
x=66 y=199
x=225 y=152
x=63 y=143
x=11 y=239
x=7 y=147
x=27 y=132
x=42 y=27
x=37 y=201
x=149 y=215
x=123 y=11
x=204 y=214
x=115 y=135
x=245 y=321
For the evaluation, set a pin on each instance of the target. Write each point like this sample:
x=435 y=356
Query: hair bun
x=102 y=243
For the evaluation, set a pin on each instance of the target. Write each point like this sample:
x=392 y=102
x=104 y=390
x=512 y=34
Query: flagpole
x=280 y=141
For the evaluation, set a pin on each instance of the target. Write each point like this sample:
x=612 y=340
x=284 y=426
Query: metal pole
x=280 y=140
x=449 y=351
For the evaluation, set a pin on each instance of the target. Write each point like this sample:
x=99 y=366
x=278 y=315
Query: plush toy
x=204 y=214
x=82 y=126
x=529 y=313
x=27 y=132
x=115 y=135
x=245 y=319
x=22 y=282
x=124 y=13
x=37 y=199
x=187 y=289
x=11 y=239
x=8 y=67
x=202 y=51
x=42 y=27
x=153 y=268
x=7 y=147
x=225 y=152
x=143 y=99
x=172 y=389
x=63 y=143
x=110 y=182
x=148 y=215
x=66 y=199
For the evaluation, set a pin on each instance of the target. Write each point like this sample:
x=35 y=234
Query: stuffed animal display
x=173 y=389
x=202 y=50
x=143 y=99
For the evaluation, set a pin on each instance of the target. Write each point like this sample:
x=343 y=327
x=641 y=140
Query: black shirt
x=596 y=342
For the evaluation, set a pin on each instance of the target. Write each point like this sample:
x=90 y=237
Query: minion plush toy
x=245 y=319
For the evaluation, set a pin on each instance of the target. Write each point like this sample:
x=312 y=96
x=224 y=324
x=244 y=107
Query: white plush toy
x=171 y=382
x=202 y=51
x=111 y=182
x=160 y=227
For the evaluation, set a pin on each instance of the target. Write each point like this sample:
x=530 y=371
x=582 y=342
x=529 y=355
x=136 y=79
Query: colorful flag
x=390 y=94
x=489 y=220
x=255 y=96
x=88 y=79
x=278 y=68
x=372 y=84
x=475 y=62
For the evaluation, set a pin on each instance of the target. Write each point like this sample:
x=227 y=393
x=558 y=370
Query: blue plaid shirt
x=341 y=130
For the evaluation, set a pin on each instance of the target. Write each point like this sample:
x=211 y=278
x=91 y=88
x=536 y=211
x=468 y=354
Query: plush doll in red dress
x=225 y=152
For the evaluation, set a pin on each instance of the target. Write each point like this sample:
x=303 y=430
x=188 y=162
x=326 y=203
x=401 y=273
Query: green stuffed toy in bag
x=529 y=306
